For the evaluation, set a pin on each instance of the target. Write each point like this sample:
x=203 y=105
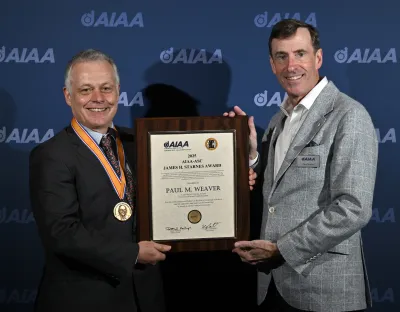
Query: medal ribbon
x=118 y=183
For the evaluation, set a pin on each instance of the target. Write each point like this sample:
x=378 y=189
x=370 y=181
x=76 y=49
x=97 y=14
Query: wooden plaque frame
x=239 y=125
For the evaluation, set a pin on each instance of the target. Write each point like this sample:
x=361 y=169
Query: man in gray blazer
x=316 y=173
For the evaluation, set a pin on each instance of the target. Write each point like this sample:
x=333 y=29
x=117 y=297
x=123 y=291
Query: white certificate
x=193 y=185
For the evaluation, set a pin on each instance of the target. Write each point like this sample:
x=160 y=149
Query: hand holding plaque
x=237 y=111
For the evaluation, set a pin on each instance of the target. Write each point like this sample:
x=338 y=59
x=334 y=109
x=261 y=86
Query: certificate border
x=233 y=131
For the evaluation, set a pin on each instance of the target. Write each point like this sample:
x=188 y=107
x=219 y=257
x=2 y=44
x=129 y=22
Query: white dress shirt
x=295 y=117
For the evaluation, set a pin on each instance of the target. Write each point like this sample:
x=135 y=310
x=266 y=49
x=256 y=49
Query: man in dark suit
x=82 y=194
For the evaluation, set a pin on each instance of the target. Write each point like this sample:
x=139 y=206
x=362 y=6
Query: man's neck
x=294 y=100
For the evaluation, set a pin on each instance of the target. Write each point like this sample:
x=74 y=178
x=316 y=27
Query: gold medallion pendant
x=122 y=211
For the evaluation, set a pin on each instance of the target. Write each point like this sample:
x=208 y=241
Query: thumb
x=242 y=244
x=252 y=125
x=162 y=247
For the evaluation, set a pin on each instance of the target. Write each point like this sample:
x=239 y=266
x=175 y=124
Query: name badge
x=308 y=161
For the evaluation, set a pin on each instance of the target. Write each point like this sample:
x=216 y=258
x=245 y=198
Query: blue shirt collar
x=97 y=136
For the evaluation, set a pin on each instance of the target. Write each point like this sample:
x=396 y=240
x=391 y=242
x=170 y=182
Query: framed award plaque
x=193 y=182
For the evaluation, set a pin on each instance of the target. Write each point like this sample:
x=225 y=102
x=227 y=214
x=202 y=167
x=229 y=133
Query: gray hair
x=89 y=55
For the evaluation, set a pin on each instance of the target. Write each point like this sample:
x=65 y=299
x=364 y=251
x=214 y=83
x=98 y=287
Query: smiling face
x=93 y=94
x=295 y=63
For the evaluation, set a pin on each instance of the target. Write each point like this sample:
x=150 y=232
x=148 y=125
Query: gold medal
x=122 y=211
x=194 y=216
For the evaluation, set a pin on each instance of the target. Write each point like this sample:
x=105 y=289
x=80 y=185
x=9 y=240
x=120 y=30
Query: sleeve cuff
x=254 y=161
x=292 y=258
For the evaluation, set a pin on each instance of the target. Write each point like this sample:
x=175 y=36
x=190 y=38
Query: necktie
x=107 y=145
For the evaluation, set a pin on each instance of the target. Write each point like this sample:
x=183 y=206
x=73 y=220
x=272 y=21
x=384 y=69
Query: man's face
x=296 y=64
x=94 y=94
x=122 y=211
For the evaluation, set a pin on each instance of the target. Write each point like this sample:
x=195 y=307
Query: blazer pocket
x=341 y=249
x=311 y=144
x=316 y=149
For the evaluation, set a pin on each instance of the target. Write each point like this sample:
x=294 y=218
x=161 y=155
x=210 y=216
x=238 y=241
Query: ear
x=271 y=61
x=67 y=96
x=318 y=59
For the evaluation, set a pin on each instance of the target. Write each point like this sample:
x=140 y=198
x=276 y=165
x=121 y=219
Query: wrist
x=253 y=155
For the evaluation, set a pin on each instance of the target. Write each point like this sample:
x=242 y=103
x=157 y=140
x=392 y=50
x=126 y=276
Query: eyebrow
x=282 y=52
x=90 y=85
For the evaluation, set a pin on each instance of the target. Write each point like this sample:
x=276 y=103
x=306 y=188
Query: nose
x=97 y=96
x=292 y=63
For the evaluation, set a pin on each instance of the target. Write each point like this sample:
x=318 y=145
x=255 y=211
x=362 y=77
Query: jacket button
x=271 y=209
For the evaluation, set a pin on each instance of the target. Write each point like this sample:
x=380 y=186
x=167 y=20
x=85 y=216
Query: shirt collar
x=308 y=100
x=97 y=136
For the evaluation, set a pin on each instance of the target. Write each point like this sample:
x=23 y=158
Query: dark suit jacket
x=90 y=255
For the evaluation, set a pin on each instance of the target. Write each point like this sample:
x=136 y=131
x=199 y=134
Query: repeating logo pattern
x=113 y=19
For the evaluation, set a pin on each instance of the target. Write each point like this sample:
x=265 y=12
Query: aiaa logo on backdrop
x=367 y=56
x=270 y=19
x=26 y=55
x=20 y=216
x=125 y=100
x=382 y=295
x=21 y=296
x=269 y=99
x=383 y=215
x=17 y=135
x=190 y=56
x=106 y=19
x=386 y=137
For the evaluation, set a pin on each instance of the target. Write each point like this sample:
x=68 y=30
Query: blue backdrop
x=213 y=52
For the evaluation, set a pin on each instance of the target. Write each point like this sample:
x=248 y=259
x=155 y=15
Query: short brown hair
x=288 y=27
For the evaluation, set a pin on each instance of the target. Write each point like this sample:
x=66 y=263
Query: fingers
x=152 y=252
x=252 y=175
x=252 y=178
x=239 y=111
x=236 y=111
x=241 y=253
x=160 y=257
x=244 y=255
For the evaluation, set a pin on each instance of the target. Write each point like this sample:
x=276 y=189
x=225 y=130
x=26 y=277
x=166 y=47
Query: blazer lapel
x=277 y=127
x=128 y=143
x=81 y=148
x=310 y=126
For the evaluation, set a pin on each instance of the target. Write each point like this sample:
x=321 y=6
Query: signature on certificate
x=212 y=226
x=178 y=229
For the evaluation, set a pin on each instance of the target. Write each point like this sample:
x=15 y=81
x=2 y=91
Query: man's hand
x=151 y=252
x=252 y=178
x=253 y=133
x=256 y=251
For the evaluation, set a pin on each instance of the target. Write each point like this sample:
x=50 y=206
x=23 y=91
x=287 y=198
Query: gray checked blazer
x=318 y=204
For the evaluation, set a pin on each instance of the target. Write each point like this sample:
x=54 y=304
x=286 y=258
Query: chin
x=295 y=91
